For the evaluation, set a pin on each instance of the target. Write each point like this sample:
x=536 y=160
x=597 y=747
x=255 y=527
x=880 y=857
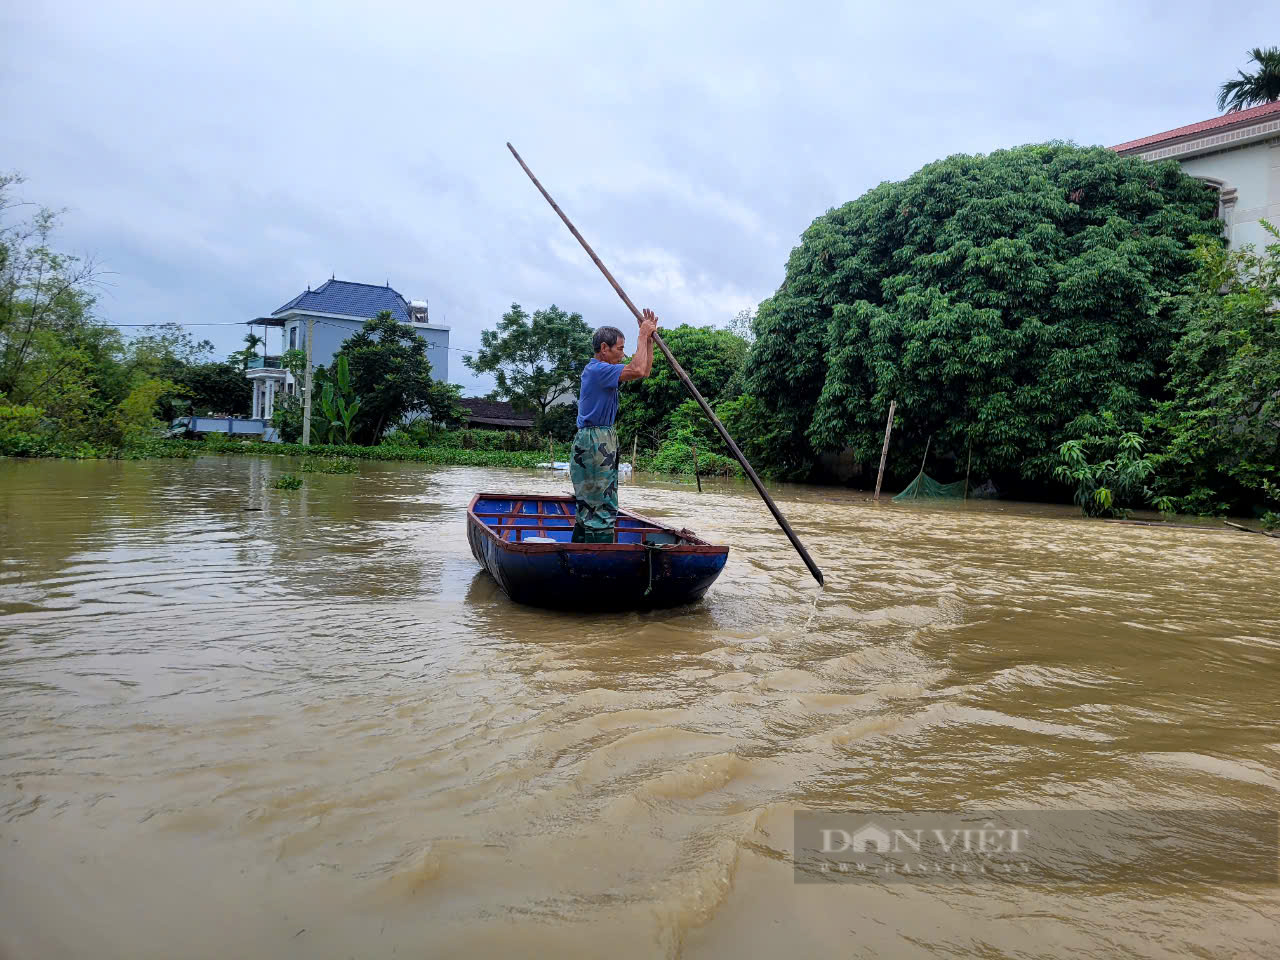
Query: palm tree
x=1253 y=89
x=251 y=343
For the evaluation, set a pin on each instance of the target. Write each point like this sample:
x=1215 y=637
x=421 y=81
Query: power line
x=171 y=323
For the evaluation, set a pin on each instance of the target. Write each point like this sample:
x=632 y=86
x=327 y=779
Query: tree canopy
x=712 y=357
x=1256 y=88
x=536 y=360
x=76 y=378
x=996 y=298
x=169 y=352
x=1220 y=431
x=390 y=375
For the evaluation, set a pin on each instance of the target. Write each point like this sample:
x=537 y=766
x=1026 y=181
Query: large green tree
x=86 y=380
x=46 y=303
x=391 y=376
x=1221 y=429
x=1255 y=88
x=996 y=298
x=712 y=357
x=536 y=360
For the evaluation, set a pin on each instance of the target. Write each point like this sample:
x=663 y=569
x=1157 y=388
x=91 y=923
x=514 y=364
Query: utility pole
x=306 y=399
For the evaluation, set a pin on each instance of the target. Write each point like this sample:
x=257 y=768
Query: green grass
x=35 y=445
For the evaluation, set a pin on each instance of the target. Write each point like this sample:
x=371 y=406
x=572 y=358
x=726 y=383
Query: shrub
x=676 y=456
x=1106 y=487
x=559 y=422
x=501 y=440
x=134 y=419
x=287 y=418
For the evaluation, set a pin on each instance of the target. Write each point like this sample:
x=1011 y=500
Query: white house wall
x=331 y=332
x=1254 y=171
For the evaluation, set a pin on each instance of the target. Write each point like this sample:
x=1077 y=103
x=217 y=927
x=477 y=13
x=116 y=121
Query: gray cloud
x=219 y=160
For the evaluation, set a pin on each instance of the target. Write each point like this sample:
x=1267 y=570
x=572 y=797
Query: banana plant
x=339 y=406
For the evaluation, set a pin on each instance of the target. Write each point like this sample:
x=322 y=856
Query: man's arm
x=642 y=360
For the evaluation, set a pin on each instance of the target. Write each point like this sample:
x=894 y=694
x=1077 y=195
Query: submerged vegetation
x=338 y=464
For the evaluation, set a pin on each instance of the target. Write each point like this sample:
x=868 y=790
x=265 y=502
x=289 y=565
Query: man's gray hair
x=603 y=335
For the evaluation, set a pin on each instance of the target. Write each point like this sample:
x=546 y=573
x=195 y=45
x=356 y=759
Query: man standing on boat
x=594 y=464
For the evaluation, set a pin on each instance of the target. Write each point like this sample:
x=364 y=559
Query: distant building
x=495 y=415
x=1237 y=155
x=338 y=309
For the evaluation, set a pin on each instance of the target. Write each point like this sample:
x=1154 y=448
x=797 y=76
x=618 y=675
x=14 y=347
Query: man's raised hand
x=648 y=323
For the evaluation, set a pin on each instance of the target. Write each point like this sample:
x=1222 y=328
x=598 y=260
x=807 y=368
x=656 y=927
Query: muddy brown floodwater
x=243 y=722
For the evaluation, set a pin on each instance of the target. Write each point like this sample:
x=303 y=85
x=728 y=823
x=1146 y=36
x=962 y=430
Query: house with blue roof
x=337 y=309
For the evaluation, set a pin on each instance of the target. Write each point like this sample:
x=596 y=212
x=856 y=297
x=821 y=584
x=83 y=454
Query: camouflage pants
x=594 y=471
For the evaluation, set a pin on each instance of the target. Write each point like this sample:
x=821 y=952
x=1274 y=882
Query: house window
x=1226 y=201
x=293 y=337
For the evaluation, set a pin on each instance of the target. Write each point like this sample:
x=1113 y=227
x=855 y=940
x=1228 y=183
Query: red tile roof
x=1217 y=123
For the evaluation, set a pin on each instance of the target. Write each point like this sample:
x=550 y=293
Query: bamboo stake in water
x=695 y=467
x=884 y=451
x=684 y=378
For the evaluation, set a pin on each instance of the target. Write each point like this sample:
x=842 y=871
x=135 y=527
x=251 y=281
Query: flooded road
x=244 y=722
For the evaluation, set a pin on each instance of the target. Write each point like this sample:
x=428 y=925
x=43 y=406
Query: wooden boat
x=524 y=541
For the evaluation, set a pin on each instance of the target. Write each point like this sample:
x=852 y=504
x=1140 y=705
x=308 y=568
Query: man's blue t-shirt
x=598 y=396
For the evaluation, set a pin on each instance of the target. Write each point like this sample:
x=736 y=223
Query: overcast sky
x=217 y=159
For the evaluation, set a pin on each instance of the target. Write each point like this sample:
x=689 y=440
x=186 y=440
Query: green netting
x=925 y=486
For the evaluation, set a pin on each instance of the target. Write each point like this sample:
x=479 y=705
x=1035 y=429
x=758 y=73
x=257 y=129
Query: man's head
x=608 y=344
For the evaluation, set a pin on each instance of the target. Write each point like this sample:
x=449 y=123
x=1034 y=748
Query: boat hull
x=673 y=568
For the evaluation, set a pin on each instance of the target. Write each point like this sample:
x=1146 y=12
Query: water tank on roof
x=418 y=311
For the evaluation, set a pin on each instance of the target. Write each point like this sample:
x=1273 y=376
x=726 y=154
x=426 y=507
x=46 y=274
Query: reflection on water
x=236 y=721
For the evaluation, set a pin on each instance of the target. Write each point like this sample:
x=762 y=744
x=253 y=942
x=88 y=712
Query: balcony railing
x=265 y=363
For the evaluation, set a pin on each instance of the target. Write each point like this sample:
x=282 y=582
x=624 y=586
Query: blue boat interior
x=534 y=520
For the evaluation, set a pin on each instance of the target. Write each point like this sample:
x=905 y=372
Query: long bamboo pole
x=684 y=378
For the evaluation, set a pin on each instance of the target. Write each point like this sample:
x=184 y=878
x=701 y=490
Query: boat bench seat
x=554 y=523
